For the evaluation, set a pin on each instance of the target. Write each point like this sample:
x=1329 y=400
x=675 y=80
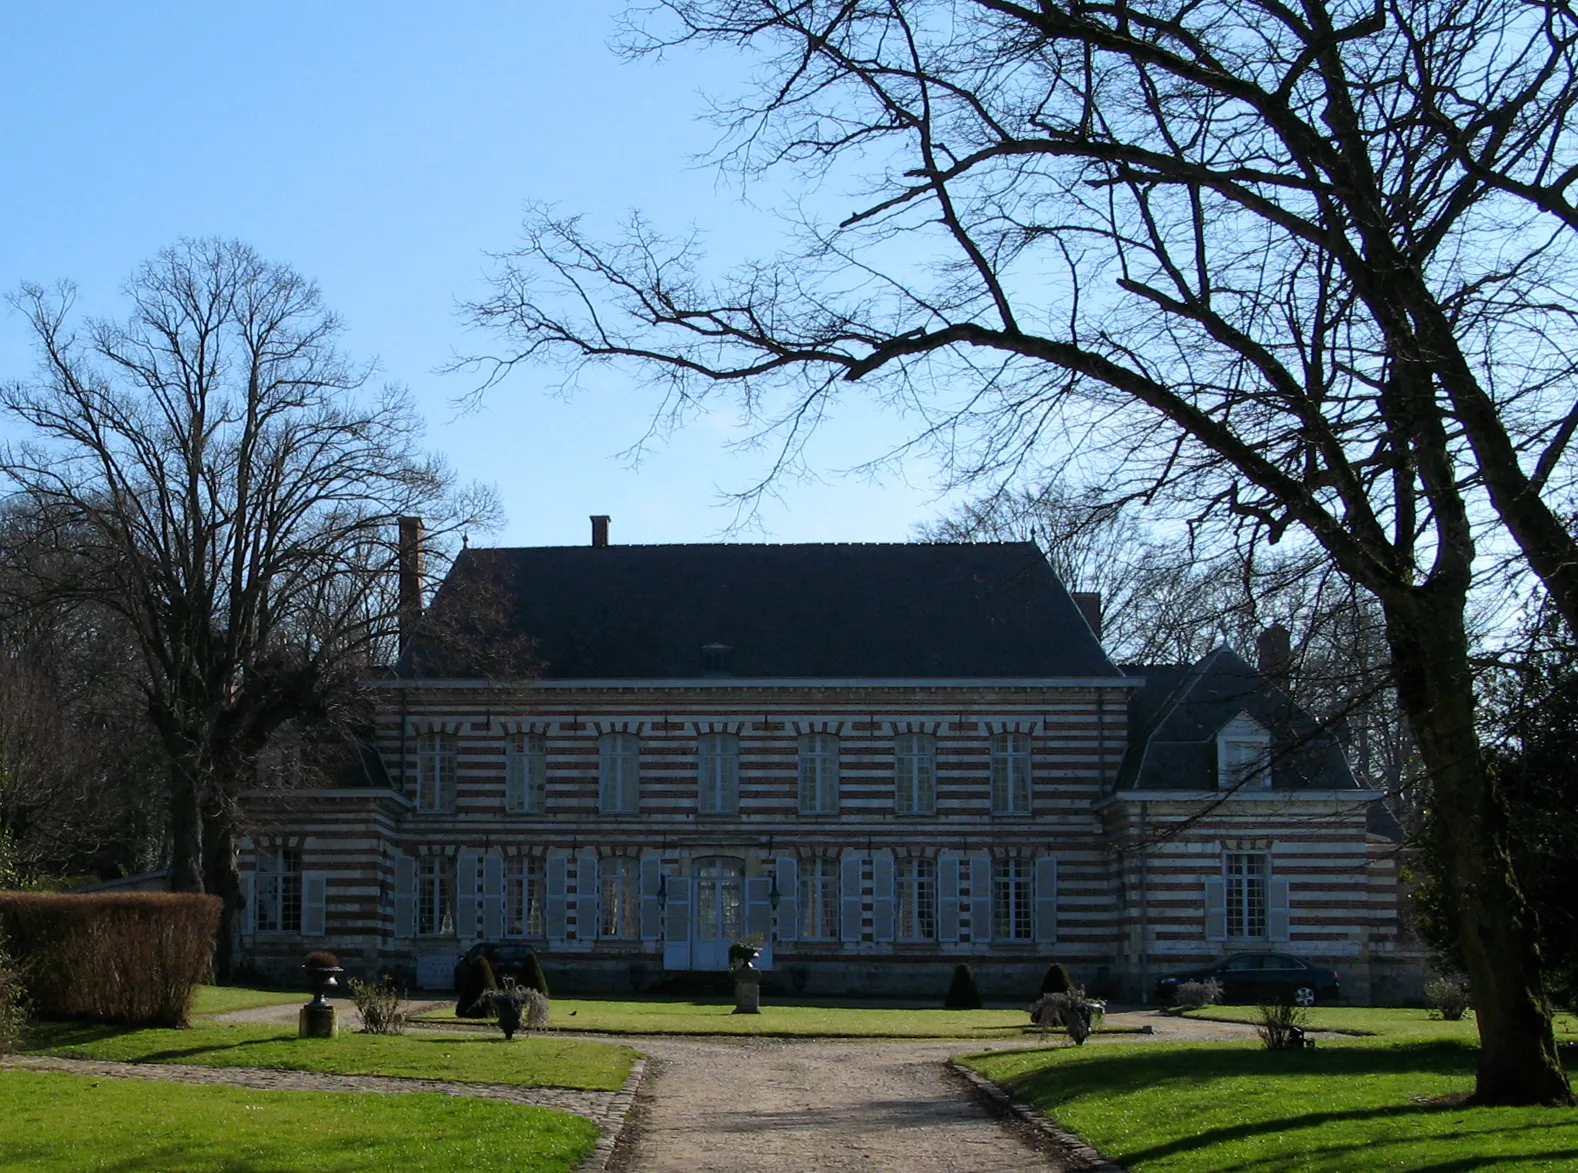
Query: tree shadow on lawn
x=1099 y=1075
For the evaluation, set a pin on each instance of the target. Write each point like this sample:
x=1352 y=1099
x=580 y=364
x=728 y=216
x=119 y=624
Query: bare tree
x=213 y=473
x=1307 y=268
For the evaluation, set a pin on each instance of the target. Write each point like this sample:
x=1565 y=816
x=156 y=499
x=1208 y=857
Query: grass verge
x=1237 y=1108
x=224 y=999
x=1383 y=1022
x=78 y=1124
x=529 y=1061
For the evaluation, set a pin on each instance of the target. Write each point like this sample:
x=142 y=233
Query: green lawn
x=78 y=1124
x=802 y=1019
x=1387 y=1022
x=530 y=1060
x=223 y=999
x=1237 y=1108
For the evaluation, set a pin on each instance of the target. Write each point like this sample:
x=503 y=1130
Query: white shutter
x=850 y=902
x=1215 y=908
x=555 y=913
x=948 y=896
x=466 y=894
x=883 y=895
x=586 y=887
x=515 y=771
x=1046 y=900
x=788 y=876
x=676 y=924
x=1278 y=913
x=314 y=901
x=249 y=897
x=651 y=912
x=537 y=778
x=758 y=912
x=980 y=896
x=405 y=896
x=493 y=896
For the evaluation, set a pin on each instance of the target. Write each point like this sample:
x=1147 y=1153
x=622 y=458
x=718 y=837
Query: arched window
x=915 y=774
x=525 y=774
x=718 y=774
x=818 y=774
x=1011 y=774
x=435 y=771
x=618 y=774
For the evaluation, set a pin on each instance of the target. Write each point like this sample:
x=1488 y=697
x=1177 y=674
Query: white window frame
x=278 y=890
x=916 y=881
x=525 y=891
x=1013 y=900
x=525 y=773
x=435 y=770
x=915 y=774
x=1247 y=883
x=619 y=897
x=1011 y=773
x=619 y=774
x=818 y=770
x=435 y=896
x=718 y=774
x=1243 y=755
x=819 y=910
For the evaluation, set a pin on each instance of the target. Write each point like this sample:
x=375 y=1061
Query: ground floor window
x=1011 y=900
x=917 y=892
x=619 y=909
x=720 y=897
x=525 y=889
x=435 y=896
x=278 y=892
x=1246 y=894
x=818 y=899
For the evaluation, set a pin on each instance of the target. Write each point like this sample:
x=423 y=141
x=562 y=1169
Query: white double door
x=719 y=897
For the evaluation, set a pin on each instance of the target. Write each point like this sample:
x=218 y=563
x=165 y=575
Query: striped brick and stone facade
x=873 y=761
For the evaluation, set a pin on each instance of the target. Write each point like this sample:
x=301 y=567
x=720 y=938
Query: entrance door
x=720 y=907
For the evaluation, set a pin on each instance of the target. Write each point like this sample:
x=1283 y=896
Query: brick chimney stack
x=1274 y=654
x=599 y=529
x=1089 y=604
x=409 y=562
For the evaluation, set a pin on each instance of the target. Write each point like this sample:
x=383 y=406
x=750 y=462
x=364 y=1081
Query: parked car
x=1260 y=977
x=507 y=959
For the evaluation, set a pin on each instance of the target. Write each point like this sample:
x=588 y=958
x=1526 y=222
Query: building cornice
x=1216 y=797
x=748 y=684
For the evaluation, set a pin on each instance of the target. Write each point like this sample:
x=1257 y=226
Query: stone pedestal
x=747 y=991
x=316 y=1022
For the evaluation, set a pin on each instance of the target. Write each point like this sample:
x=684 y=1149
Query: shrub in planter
x=1449 y=999
x=1197 y=995
x=516 y=1006
x=962 y=994
x=378 y=1003
x=127 y=957
x=1056 y=980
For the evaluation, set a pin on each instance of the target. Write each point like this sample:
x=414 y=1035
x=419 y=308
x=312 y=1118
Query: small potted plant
x=317 y=1018
x=747 y=978
x=515 y=1004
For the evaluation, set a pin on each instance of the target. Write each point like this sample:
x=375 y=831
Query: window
x=718 y=774
x=818 y=774
x=525 y=890
x=917 y=884
x=720 y=897
x=1011 y=774
x=525 y=774
x=1011 y=895
x=1243 y=754
x=1246 y=894
x=818 y=899
x=435 y=896
x=435 y=771
x=618 y=773
x=619 y=911
x=278 y=891
x=915 y=774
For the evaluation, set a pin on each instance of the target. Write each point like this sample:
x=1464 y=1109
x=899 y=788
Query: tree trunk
x=186 y=825
x=222 y=876
x=1468 y=828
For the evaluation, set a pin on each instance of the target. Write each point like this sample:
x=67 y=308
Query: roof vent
x=599 y=529
x=715 y=660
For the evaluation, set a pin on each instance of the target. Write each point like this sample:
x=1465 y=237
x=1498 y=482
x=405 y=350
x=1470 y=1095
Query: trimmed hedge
x=130 y=957
x=962 y=994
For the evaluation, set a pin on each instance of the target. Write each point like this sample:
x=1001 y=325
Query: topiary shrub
x=1056 y=980
x=1449 y=1000
x=471 y=1000
x=535 y=979
x=962 y=994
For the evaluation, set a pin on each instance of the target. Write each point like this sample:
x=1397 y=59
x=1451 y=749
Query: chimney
x=410 y=571
x=1089 y=604
x=1274 y=654
x=599 y=529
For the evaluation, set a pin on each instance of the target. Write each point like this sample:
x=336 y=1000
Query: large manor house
x=873 y=761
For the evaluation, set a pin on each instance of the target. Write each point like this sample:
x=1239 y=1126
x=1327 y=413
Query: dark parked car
x=506 y=959
x=1260 y=977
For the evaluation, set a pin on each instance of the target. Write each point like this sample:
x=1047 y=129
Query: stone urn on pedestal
x=747 y=980
x=316 y=1020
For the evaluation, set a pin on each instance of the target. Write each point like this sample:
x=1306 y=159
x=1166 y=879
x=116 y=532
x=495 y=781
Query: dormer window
x=1243 y=755
x=715 y=660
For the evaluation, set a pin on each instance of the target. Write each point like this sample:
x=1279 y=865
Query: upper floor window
x=718 y=774
x=915 y=774
x=1011 y=774
x=1011 y=900
x=435 y=896
x=618 y=774
x=1246 y=893
x=1243 y=754
x=525 y=893
x=818 y=899
x=917 y=893
x=818 y=774
x=618 y=907
x=525 y=773
x=278 y=892
x=435 y=771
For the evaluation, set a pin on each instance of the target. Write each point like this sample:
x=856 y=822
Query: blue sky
x=383 y=150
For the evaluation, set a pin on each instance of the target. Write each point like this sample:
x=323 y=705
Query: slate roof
x=815 y=611
x=1175 y=717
